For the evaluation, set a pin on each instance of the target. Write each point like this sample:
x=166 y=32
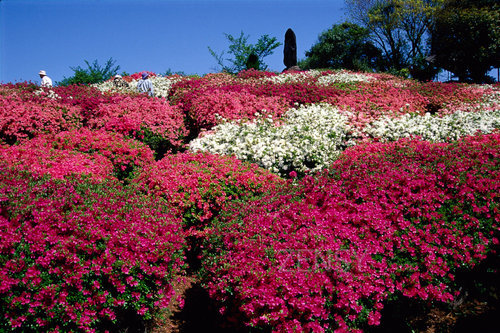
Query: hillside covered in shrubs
x=302 y=202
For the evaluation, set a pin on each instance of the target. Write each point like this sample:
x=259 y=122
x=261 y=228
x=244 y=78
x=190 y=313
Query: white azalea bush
x=161 y=84
x=321 y=77
x=308 y=138
x=344 y=77
x=293 y=77
x=435 y=128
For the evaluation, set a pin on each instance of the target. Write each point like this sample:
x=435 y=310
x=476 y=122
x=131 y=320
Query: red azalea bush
x=127 y=155
x=233 y=106
x=387 y=220
x=84 y=98
x=21 y=119
x=254 y=74
x=445 y=97
x=87 y=98
x=78 y=256
x=294 y=93
x=137 y=76
x=151 y=120
x=198 y=186
x=45 y=160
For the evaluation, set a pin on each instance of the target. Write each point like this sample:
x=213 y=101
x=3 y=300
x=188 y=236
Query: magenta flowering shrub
x=21 y=119
x=144 y=118
x=294 y=93
x=387 y=220
x=254 y=74
x=443 y=98
x=127 y=155
x=87 y=98
x=198 y=186
x=208 y=108
x=137 y=76
x=77 y=255
x=43 y=160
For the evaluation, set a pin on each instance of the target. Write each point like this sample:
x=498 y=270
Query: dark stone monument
x=290 y=51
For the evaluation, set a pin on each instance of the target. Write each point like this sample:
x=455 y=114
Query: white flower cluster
x=292 y=77
x=161 y=84
x=307 y=138
x=435 y=128
x=344 y=77
x=491 y=99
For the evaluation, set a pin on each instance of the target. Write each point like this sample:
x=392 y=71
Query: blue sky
x=153 y=35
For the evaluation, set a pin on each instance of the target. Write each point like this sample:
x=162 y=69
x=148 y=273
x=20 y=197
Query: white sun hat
x=42 y=73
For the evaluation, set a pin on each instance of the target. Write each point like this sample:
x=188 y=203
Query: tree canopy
x=240 y=51
x=466 y=38
x=94 y=73
x=345 y=45
x=400 y=29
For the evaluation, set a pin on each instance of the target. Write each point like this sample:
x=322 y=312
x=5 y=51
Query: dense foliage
x=343 y=46
x=94 y=73
x=466 y=38
x=245 y=55
x=399 y=28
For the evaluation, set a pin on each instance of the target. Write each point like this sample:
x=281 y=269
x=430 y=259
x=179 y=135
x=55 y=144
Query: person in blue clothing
x=145 y=85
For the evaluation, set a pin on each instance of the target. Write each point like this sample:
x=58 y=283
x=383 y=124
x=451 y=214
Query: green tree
x=94 y=73
x=400 y=28
x=345 y=45
x=240 y=50
x=466 y=38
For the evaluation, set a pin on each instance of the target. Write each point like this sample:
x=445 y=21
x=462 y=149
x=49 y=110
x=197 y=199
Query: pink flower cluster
x=75 y=255
x=133 y=116
x=387 y=219
x=87 y=98
x=21 y=119
x=45 y=160
x=199 y=186
x=254 y=74
x=232 y=105
x=126 y=155
x=137 y=76
x=25 y=114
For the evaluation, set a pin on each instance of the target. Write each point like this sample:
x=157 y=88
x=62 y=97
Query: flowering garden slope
x=104 y=192
x=386 y=219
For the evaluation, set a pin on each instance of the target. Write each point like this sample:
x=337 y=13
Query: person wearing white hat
x=46 y=81
x=119 y=82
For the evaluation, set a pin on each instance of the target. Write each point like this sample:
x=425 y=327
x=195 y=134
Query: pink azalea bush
x=137 y=76
x=78 y=256
x=21 y=118
x=210 y=108
x=386 y=220
x=199 y=185
x=45 y=160
x=152 y=120
x=127 y=155
x=87 y=98
x=443 y=98
x=254 y=74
